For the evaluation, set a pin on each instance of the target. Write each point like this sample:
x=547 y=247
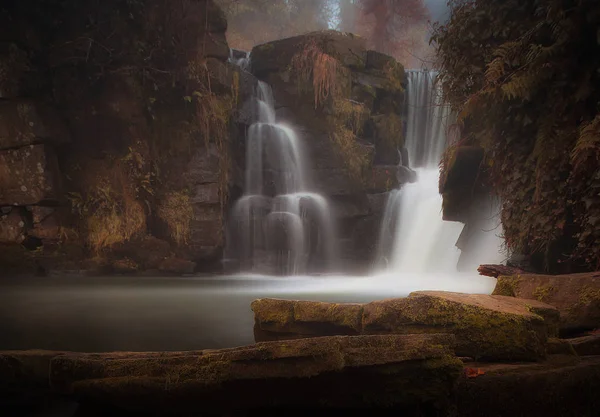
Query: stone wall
x=117 y=121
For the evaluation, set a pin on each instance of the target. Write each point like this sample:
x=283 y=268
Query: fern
x=588 y=144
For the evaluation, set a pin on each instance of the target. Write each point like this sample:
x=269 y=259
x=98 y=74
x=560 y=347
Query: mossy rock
x=576 y=296
x=486 y=327
x=306 y=318
x=368 y=368
x=276 y=56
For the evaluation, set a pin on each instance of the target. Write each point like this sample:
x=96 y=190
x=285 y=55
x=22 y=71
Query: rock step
x=340 y=370
x=577 y=296
x=486 y=326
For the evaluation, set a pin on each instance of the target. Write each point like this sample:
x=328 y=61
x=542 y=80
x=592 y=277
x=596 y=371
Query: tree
x=253 y=22
x=394 y=27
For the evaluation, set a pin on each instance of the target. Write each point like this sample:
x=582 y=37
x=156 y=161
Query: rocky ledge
x=486 y=326
x=331 y=372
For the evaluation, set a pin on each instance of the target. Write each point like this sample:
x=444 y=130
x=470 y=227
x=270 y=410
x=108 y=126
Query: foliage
x=255 y=22
x=394 y=27
x=524 y=77
x=345 y=124
x=325 y=78
x=108 y=208
x=316 y=72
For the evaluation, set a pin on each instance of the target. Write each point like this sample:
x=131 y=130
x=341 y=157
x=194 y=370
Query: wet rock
x=383 y=178
x=576 y=296
x=12 y=227
x=275 y=56
x=486 y=327
x=586 y=345
x=458 y=182
x=214 y=45
x=177 y=266
x=23 y=122
x=28 y=175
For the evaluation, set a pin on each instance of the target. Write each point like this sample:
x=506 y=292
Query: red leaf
x=473 y=372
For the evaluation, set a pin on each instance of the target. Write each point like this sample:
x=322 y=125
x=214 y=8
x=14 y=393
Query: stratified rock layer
x=487 y=327
x=333 y=372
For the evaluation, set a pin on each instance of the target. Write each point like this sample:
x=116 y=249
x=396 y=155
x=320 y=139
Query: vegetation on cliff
x=141 y=85
x=523 y=76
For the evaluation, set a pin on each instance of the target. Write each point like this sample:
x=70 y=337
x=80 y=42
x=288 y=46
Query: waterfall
x=280 y=225
x=413 y=237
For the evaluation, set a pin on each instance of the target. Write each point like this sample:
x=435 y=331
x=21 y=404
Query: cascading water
x=413 y=237
x=282 y=227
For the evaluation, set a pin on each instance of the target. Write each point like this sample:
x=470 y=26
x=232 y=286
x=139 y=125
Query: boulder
x=275 y=56
x=327 y=372
x=23 y=122
x=28 y=175
x=576 y=296
x=486 y=327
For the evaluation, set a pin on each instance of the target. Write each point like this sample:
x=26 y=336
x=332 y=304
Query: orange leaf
x=473 y=373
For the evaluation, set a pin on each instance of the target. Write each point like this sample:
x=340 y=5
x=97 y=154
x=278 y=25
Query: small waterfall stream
x=413 y=237
x=282 y=226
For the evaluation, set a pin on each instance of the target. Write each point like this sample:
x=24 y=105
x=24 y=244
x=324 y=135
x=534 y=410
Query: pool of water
x=104 y=314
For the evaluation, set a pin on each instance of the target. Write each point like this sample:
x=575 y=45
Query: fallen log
x=498 y=270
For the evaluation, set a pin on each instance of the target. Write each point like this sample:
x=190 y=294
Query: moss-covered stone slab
x=576 y=296
x=486 y=327
x=28 y=175
x=23 y=122
x=290 y=372
x=278 y=318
